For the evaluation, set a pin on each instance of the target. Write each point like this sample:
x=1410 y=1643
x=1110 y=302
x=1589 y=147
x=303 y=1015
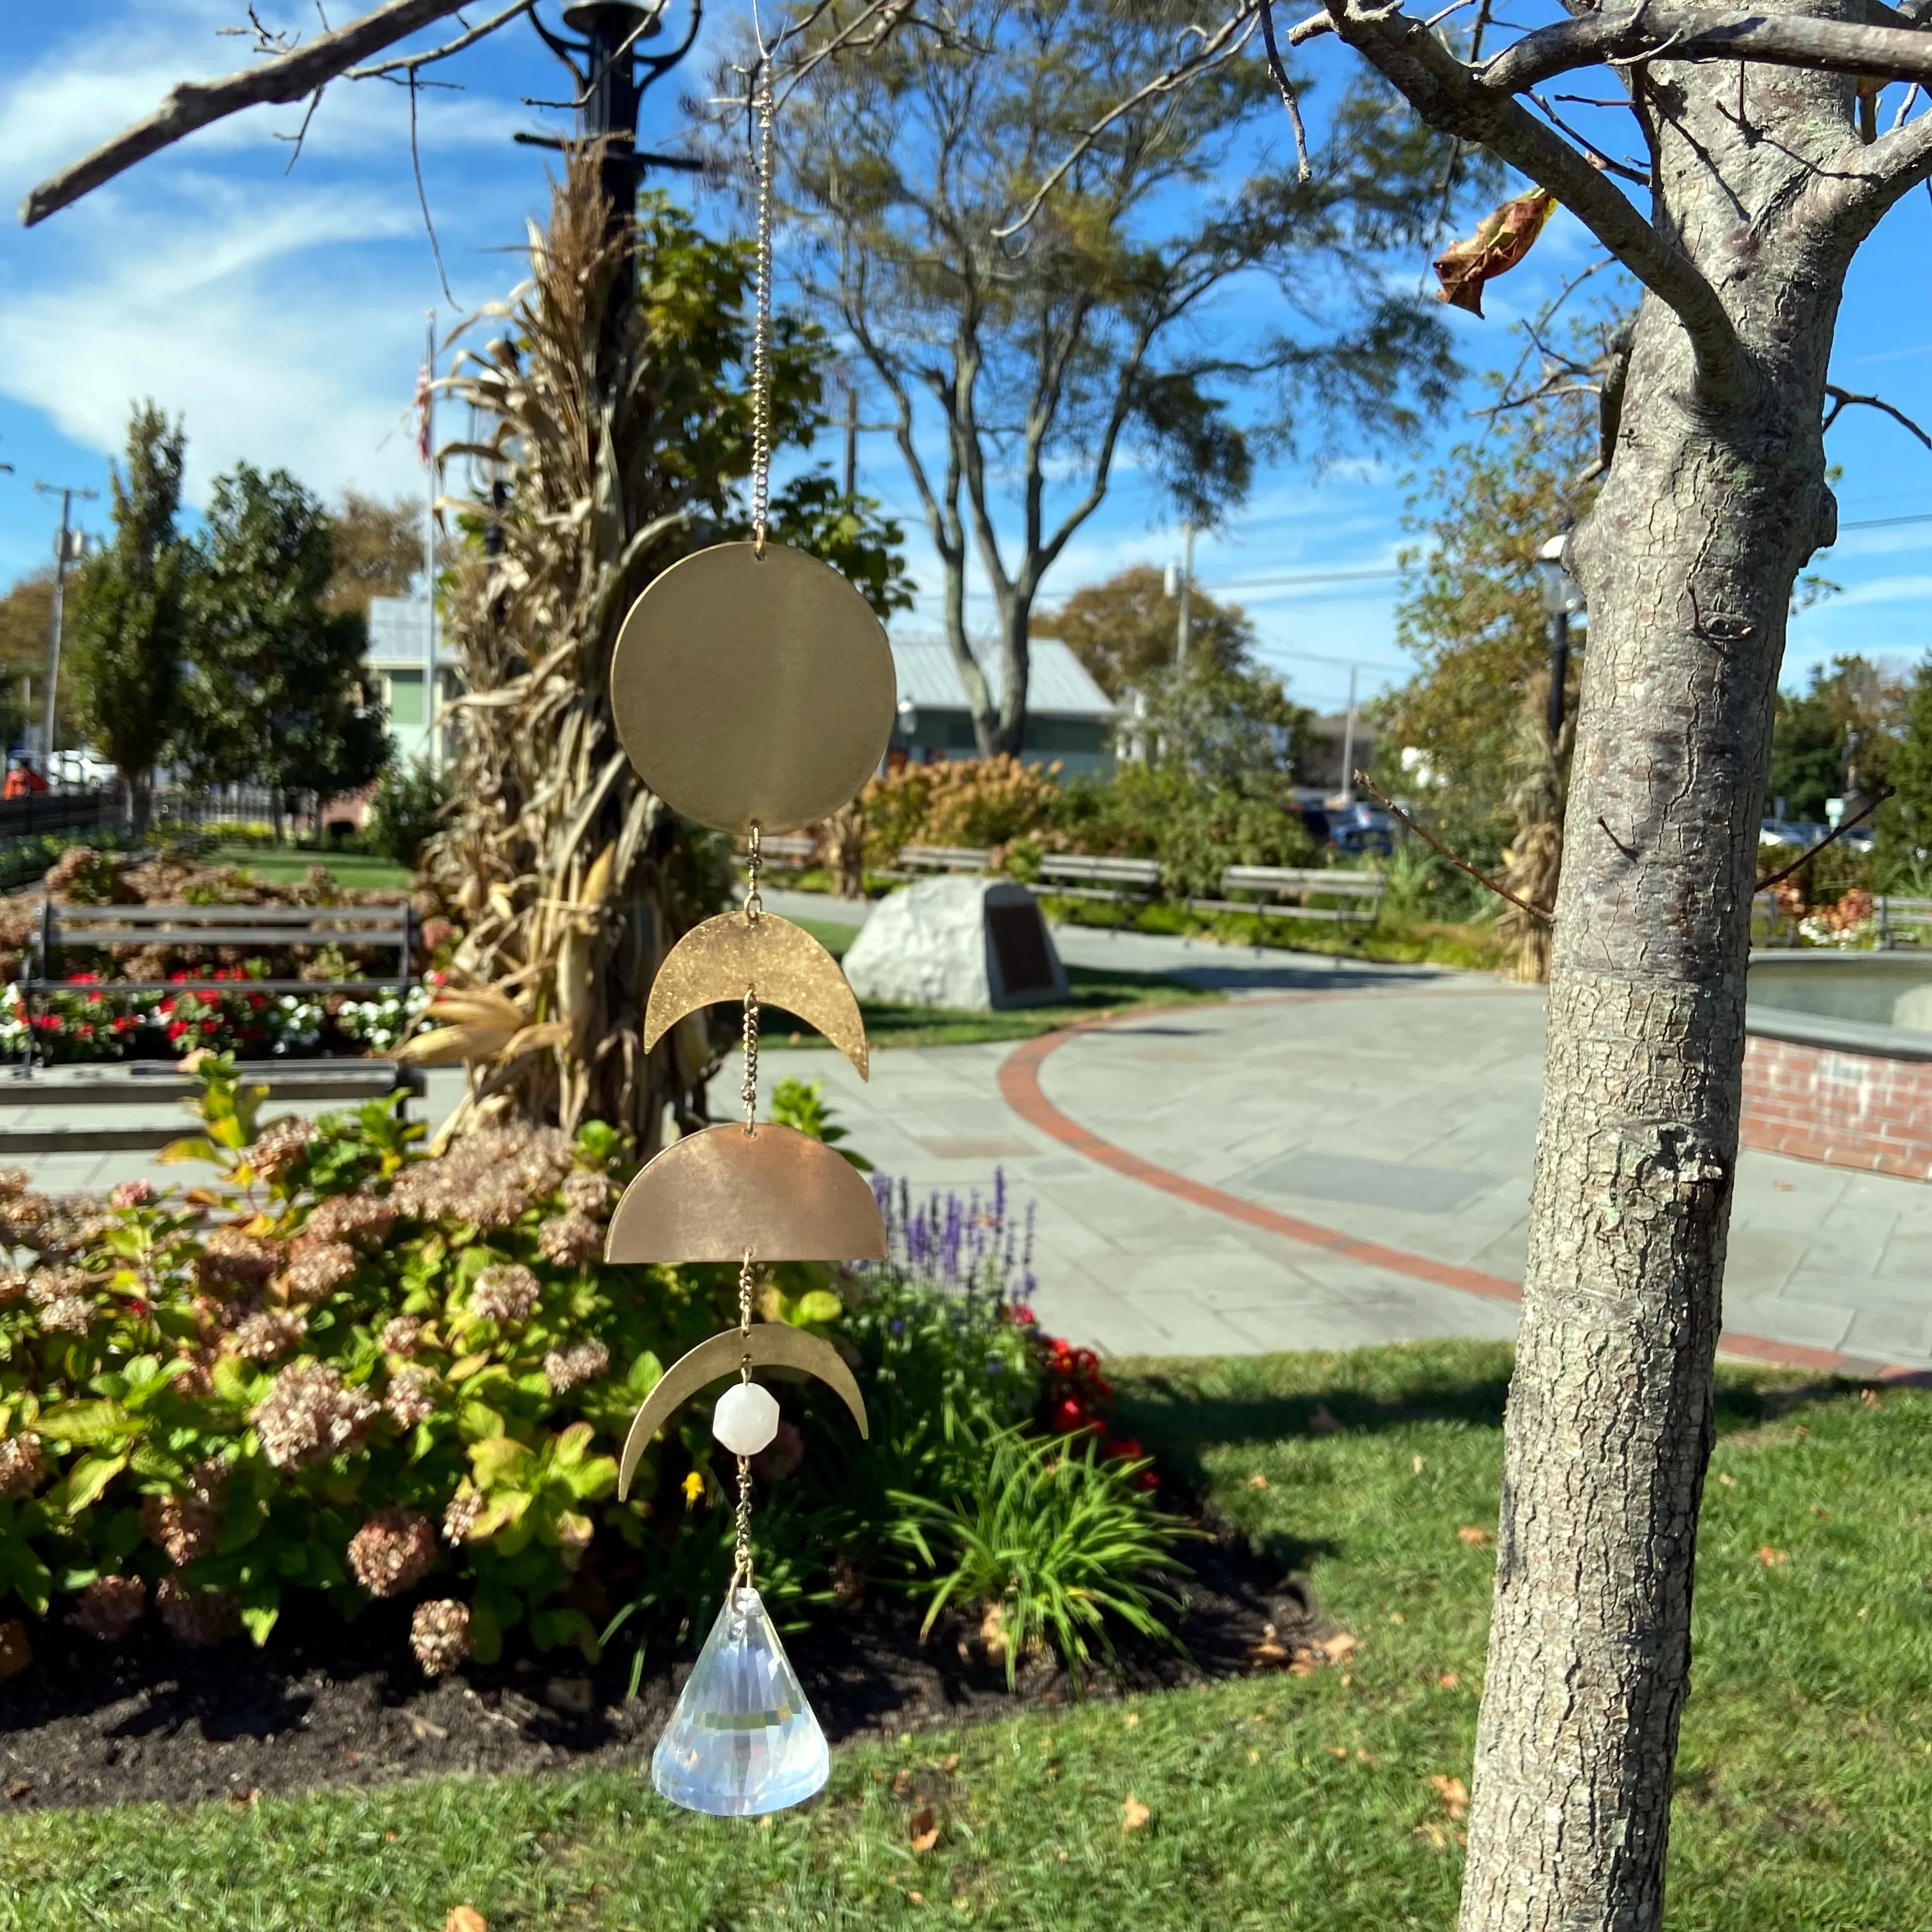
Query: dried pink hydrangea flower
x=408 y=1398
x=460 y=1518
x=279 y=1146
x=392 y=1551
x=268 y=1335
x=309 y=1415
x=185 y=1524
x=14 y=1182
x=569 y=1240
x=588 y=1192
x=566 y=1369
x=109 y=1607
x=13 y=1287
x=45 y=1285
x=229 y=1258
x=202 y=1617
x=21 y=1465
x=132 y=1194
x=348 y=1217
x=317 y=1269
x=69 y=1315
x=489 y=1177
x=440 y=1635
x=402 y=1335
x=505 y=1293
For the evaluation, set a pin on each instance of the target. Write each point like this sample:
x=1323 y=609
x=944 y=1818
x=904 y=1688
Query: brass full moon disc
x=750 y=690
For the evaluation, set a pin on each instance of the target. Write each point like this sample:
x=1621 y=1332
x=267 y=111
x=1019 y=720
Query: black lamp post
x=1560 y=598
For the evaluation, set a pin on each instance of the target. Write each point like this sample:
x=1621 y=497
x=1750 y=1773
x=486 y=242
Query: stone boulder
x=974 y=945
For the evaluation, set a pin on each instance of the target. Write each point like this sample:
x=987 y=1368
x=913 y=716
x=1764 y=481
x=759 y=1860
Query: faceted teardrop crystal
x=742 y=1740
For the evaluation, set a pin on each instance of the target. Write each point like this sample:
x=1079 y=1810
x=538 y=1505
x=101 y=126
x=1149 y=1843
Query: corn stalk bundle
x=570 y=878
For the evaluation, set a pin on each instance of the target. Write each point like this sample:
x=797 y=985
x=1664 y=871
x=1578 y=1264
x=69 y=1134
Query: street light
x=1561 y=597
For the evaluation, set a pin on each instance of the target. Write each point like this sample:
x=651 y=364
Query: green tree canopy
x=1904 y=846
x=276 y=692
x=129 y=612
x=1835 y=738
x=1127 y=628
x=1039 y=282
x=1472 y=611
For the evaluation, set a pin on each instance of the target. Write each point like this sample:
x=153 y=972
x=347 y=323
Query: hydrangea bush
x=349 y=1367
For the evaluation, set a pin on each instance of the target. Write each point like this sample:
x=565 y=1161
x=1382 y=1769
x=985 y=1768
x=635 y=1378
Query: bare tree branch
x=1462 y=864
x=195 y=104
x=1844 y=399
x=1641 y=32
x=412 y=63
x=1837 y=831
x=1285 y=88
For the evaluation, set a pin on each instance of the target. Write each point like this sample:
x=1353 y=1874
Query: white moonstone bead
x=746 y=1419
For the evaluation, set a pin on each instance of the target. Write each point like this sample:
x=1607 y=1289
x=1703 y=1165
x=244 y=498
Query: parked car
x=1801 y=833
x=1360 y=828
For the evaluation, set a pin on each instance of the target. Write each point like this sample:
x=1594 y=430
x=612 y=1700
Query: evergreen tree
x=130 y=612
x=276 y=693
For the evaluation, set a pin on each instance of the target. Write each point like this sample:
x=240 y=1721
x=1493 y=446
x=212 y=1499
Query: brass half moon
x=778 y=1193
x=769 y=1342
x=753 y=691
x=781 y=961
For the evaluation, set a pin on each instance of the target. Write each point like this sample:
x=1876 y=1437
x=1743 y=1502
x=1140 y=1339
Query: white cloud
x=263 y=322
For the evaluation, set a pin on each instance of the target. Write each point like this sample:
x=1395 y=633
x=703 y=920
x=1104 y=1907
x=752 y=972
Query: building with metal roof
x=1069 y=719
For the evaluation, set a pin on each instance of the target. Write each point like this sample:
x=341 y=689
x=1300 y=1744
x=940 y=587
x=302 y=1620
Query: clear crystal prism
x=742 y=1740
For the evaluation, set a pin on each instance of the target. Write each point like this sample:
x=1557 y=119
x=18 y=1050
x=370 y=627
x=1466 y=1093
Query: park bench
x=1075 y=876
x=1903 y=921
x=787 y=852
x=1771 y=924
x=946 y=858
x=1275 y=883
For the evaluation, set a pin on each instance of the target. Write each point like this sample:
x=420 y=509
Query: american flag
x=424 y=406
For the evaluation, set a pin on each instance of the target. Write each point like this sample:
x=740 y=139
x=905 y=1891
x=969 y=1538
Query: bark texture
x=1716 y=497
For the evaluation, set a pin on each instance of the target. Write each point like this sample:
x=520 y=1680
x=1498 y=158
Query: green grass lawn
x=1805 y=1797
x=285 y=865
x=1091 y=993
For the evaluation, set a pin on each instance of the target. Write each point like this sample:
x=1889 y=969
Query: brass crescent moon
x=768 y=1343
x=750 y=690
x=782 y=962
x=776 y=1193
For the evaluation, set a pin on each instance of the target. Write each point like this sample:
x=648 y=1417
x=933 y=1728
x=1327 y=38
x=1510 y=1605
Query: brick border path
x=1020 y=1087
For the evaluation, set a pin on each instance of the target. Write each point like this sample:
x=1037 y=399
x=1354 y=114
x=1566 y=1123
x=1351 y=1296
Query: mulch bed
x=327 y=1703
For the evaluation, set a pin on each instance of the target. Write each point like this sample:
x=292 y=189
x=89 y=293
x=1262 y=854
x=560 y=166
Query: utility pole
x=69 y=547
x=1186 y=594
x=851 y=440
x=1348 y=742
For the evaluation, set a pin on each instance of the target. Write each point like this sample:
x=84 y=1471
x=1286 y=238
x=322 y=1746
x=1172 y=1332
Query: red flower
x=1126 y=1449
x=1069 y=1417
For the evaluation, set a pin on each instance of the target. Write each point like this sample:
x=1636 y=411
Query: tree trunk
x=1711 y=506
x=140 y=803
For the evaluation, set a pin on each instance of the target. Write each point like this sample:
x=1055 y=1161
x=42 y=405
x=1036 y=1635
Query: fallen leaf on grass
x=1416 y=1463
x=901 y=1783
x=252 y=1796
x=951 y=1763
x=1258 y=1481
x=1322 y=1423
x=1869 y=1397
x=924 y=1831
x=1728 y=1482
x=1271 y=1654
x=1770 y=1558
x=1447 y=1680
x=1454 y=1794
x=1133 y=1814
x=1132 y=1718
x=1338 y=1750
x=466 y=1918
x=1341 y=1645
x=1433 y=1836
x=915 y=1898
x=1474 y=1535
x=1254 y=1757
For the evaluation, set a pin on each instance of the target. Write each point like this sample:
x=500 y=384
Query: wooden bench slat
x=317 y=986
x=223 y=935
x=1260 y=909
x=389 y=918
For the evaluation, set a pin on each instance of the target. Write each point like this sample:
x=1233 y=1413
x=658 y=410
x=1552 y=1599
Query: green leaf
x=259 y=1610
x=820 y=1305
x=87 y=1424
x=87 y=1479
x=496 y=1459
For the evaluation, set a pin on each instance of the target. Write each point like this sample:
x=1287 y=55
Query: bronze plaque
x=1019 y=944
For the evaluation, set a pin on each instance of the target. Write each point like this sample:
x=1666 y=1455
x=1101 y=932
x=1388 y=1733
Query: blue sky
x=283 y=314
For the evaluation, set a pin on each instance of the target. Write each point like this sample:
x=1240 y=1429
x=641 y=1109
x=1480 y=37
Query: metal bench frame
x=946 y=858
x=1282 y=880
x=1124 y=878
x=60 y=927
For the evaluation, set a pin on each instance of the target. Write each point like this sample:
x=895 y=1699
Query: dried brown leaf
x=466 y=1918
x=1770 y=1558
x=1454 y=1794
x=922 y=1829
x=1501 y=240
x=1474 y=1535
x=1133 y=1814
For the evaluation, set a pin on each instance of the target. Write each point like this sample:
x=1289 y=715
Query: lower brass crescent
x=780 y=962
x=765 y=1341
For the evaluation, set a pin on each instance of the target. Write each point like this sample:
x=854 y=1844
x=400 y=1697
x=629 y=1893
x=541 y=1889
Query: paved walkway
x=1339 y=1154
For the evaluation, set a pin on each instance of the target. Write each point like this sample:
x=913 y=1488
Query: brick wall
x=1846 y=1109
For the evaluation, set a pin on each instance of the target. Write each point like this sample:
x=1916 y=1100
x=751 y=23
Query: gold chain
x=741 y=1554
x=761 y=337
